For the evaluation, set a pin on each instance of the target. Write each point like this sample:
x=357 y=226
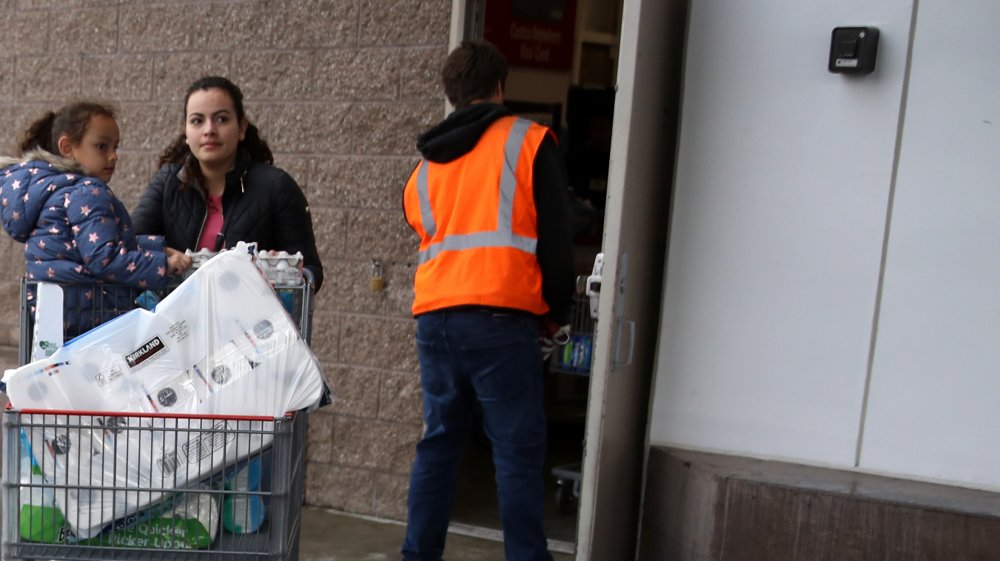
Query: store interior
x=563 y=62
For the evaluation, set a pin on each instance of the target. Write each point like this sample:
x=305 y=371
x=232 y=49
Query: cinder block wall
x=339 y=88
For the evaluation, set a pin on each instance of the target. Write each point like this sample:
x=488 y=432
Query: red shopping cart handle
x=86 y=413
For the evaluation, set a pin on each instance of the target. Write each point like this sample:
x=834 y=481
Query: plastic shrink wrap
x=220 y=344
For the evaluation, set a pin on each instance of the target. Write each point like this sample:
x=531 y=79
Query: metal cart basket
x=258 y=467
x=179 y=523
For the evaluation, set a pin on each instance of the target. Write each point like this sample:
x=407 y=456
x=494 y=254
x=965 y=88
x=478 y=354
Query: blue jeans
x=493 y=358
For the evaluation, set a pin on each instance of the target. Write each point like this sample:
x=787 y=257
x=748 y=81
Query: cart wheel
x=564 y=496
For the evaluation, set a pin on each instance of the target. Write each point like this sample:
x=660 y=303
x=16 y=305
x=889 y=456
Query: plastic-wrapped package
x=189 y=521
x=219 y=344
x=96 y=458
x=243 y=510
x=279 y=267
x=48 y=329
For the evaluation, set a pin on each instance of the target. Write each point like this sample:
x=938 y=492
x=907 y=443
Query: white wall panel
x=782 y=186
x=934 y=407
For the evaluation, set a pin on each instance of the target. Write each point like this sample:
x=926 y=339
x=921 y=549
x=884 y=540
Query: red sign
x=535 y=33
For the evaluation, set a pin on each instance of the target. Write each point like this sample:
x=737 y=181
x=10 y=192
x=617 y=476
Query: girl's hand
x=177 y=261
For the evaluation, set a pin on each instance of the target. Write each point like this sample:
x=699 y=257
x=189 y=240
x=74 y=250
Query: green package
x=40 y=520
x=43 y=524
x=191 y=523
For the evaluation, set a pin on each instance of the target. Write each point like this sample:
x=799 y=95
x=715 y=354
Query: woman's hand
x=177 y=261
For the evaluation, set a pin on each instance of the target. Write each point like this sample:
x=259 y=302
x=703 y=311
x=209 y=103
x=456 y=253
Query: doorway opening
x=563 y=63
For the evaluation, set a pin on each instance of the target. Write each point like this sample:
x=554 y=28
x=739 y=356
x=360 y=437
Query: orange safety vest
x=477 y=223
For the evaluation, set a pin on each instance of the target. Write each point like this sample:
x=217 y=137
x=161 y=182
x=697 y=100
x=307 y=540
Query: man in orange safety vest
x=494 y=280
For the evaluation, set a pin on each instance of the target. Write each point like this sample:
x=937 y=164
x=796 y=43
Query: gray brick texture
x=339 y=89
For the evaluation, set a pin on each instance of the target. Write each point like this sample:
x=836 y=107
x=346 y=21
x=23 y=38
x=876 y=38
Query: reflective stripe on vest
x=504 y=235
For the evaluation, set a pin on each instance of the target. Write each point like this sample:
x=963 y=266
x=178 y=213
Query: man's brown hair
x=472 y=71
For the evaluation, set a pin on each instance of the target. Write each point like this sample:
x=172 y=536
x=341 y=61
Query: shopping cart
x=247 y=507
x=574 y=358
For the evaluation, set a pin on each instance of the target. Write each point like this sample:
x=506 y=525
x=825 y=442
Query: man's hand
x=552 y=336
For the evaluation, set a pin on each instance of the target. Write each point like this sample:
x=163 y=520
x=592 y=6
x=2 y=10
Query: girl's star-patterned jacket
x=74 y=229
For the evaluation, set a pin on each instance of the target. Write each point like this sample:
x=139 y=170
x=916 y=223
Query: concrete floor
x=333 y=536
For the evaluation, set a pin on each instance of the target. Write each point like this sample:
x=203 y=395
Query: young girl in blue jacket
x=54 y=198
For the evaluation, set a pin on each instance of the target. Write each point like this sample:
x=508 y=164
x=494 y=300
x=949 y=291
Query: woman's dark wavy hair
x=178 y=152
x=72 y=121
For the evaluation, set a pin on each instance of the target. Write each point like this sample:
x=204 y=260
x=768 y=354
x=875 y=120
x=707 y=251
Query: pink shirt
x=213 y=225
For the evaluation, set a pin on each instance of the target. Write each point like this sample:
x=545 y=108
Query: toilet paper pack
x=219 y=344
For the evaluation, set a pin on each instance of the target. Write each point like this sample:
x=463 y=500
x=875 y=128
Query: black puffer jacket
x=261 y=204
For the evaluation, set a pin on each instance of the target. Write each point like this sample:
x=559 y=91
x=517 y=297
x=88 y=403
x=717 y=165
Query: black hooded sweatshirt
x=458 y=134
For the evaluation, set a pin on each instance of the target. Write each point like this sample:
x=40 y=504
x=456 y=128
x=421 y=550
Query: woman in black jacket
x=217 y=184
